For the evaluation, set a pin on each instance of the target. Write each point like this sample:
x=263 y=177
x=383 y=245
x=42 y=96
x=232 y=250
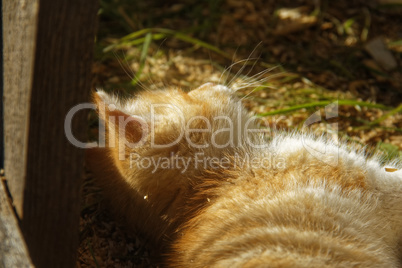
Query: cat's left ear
x=120 y=124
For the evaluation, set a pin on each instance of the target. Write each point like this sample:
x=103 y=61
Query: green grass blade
x=200 y=43
x=135 y=38
x=175 y=34
x=92 y=253
x=322 y=104
x=143 y=57
x=348 y=24
x=136 y=34
x=385 y=116
x=135 y=42
x=395 y=43
x=191 y=40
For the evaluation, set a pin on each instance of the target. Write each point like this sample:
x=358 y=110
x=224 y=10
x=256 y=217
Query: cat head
x=171 y=123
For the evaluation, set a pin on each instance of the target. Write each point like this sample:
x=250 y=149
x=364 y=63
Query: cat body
x=192 y=173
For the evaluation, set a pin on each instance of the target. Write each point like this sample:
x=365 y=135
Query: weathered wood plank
x=19 y=27
x=13 y=252
x=47 y=72
x=1 y=93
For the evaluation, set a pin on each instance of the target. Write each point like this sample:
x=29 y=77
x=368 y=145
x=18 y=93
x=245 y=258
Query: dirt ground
x=288 y=59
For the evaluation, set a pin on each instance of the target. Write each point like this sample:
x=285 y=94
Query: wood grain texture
x=1 y=93
x=41 y=164
x=13 y=252
x=19 y=27
x=63 y=57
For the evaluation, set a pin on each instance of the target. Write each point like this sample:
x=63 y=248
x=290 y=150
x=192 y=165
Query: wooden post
x=13 y=252
x=18 y=54
x=47 y=50
x=1 y=93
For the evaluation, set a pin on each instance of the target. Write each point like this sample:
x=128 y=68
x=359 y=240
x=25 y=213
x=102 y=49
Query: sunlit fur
x=313 y=204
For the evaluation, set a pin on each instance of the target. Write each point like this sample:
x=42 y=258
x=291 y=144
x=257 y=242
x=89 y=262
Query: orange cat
x=192 y=173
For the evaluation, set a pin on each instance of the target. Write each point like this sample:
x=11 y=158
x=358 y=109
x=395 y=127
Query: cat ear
x=120 y=125
x=107 y=105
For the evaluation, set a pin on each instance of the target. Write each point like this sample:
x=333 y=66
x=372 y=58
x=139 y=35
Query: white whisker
x=244 y=65
x=131 y=76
